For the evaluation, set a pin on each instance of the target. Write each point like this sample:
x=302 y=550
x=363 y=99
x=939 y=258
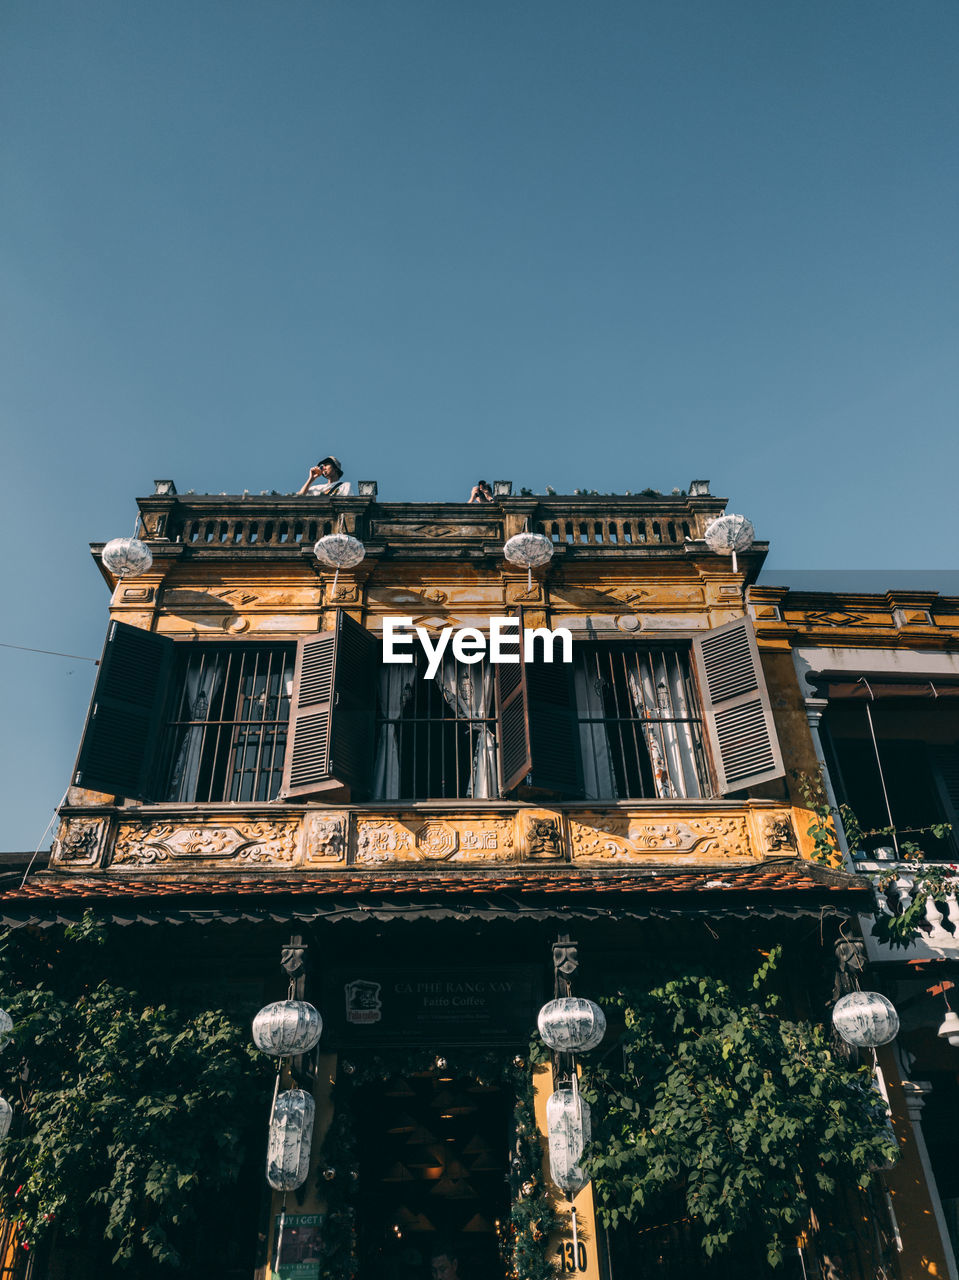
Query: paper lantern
x=571 y=1025
x=866 y=1019
x=728 y=534
x=6 y=1028
x=287 y=1028
x=6 y=1115
x=290 y=1139
x=339 y=551
x=949 y=1030
x=568 y=1131
x=127 y=557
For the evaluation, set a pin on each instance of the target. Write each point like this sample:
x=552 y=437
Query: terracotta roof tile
x=782 y=878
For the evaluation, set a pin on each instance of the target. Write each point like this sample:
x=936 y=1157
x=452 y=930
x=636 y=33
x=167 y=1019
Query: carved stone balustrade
x=939 y=936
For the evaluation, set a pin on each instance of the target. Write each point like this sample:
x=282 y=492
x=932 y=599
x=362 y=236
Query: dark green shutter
x=118 y=748
x=737 y=716
x=331 y=722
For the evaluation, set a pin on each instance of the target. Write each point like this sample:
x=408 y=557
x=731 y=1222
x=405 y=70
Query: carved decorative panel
x=79 y=842
x=325 y=838
x=239 y=844
x=543 y=839
x=380 y=840
x=638 y=837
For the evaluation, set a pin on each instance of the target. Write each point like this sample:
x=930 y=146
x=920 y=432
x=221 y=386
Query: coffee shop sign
x=469 y=645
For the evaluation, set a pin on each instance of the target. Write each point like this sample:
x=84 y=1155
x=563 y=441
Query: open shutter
x=512 y=712
x=737 y=716
x=118 y=747
x=331 y=724
x=538 y=735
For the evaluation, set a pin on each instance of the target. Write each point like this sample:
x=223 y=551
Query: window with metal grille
x=435 y=739
x=640 y=728
x=226 y=736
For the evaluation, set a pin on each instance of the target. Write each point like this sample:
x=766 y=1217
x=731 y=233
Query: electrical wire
x=36 y=851
x=55 y=653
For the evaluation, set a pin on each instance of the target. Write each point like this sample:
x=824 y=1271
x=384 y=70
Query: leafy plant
x=821 y=830
x=748 y=1118
x=128 y=1113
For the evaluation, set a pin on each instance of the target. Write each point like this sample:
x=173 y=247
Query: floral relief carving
x=78 y=842
x=145 y=844
x=544 y=840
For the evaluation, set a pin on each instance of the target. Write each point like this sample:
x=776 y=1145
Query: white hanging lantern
x=6 y=1028
x=287 y=1028
x=571 y=1024
x=569 y=1131
x=290 y=1139
x=949 y=1030
x=339 y=551
x=728 y=534
x=6 y=1115
x=866 y=1019
x=531 y=550
x=127 y=557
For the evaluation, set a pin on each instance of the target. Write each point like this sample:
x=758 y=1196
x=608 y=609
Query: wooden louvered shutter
x=120 y=738
x=538 y=737
x=512 y=712
x=331 y=724
x=737 y=716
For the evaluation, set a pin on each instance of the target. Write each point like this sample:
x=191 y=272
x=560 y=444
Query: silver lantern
x=568 y=1132
x=866 y=1019
x=127 y=557
x=287 y=1028
x=6 y=1115
x=6 y=1028
x=571 y=1024
x=290 y=1139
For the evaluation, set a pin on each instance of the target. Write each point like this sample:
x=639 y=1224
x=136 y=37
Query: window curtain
x=657 y=687
x=468 y=689
x=599 y=780
x=396 y=688
x=202 y=682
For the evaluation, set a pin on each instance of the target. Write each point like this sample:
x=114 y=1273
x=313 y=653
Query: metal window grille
x=437 y=742
x=226 y=737
x=638 y=710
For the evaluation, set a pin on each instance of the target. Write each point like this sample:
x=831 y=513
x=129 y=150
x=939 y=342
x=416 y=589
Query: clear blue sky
x=611 y=244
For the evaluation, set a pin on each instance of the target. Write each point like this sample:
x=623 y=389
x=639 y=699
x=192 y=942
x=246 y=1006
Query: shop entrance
x=433 y=1163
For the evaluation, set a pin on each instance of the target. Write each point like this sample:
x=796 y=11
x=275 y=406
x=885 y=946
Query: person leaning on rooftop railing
x=325 y=480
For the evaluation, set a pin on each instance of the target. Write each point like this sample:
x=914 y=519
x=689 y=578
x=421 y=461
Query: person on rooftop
x=325 y=480
x=481 y=492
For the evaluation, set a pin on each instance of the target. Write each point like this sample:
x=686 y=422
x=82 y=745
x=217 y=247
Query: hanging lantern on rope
x=531 y=550
x=339 y=551
x=290 y=1140
x=6 y=1028
x=6 y=1116
x=568 y=1132
x=728 y=534
x=127 y=557
x=949 y=1029
x=571 y=1024
x=287 y=1028
x=866 y=1019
